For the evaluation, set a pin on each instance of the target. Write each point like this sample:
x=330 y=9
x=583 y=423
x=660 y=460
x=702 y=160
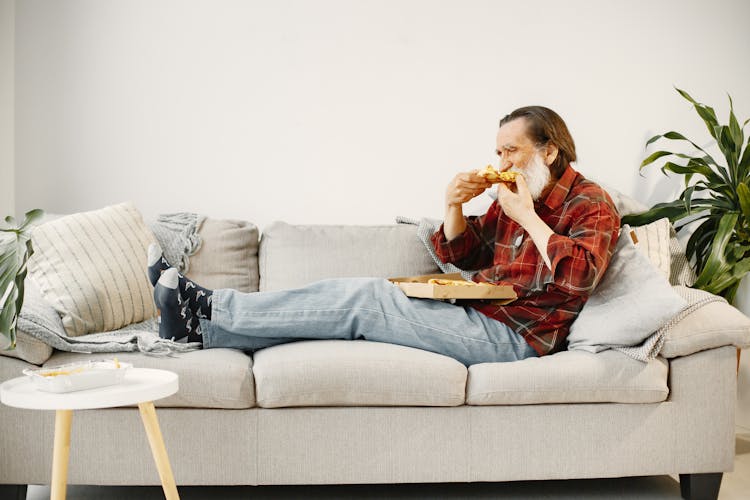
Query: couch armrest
x=713 y=325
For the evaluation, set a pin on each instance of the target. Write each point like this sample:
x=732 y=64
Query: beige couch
x=334 y=412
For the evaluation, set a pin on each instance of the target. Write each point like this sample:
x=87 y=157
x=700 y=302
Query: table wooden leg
x=151 y=423
x=61 y=453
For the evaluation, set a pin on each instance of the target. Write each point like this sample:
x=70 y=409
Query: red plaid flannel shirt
x=586 y=225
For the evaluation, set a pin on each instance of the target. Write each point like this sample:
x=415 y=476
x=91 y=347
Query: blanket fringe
x=157 y=346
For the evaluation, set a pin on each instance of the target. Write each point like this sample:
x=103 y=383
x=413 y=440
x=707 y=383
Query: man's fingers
x=521 y=185
x=502 y=188
x=473 y=184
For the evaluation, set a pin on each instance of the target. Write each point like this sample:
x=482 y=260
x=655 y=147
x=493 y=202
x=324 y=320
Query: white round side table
x=139 y=386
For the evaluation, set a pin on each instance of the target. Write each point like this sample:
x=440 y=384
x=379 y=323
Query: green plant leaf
x=728 y=148
x=15 y=250
x=731 y=292
x=655 y=156
x=12 y=249
x=725 y=284
x=706 y=160
x=741 y=268
x=705 y=112
x=717 y=264
x=687 y=197
x=653 y=139
x=676 y=136
x=744 y=166
x=743 y=194
x=30 y=218
x=674 y=210
x=697 y=245
x=735 y=131
x=695 y=168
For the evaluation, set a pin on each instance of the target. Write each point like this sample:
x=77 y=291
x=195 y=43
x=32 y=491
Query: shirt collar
x=560 y=190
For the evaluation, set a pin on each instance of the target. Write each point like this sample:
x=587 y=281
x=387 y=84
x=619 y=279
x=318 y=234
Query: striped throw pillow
x=653 y=240
x=91 y=267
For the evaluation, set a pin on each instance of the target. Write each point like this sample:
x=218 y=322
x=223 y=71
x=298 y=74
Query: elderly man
x=551 y=240
x=550 y=236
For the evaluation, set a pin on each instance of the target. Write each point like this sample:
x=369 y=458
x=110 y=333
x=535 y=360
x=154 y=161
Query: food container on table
x=78 y=376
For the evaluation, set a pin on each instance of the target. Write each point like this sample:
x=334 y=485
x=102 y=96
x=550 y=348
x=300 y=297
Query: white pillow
x=91 y=267
x=632 y=301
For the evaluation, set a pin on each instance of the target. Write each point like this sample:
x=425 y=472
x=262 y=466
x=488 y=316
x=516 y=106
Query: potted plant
x=716 y=197
x=15 y=250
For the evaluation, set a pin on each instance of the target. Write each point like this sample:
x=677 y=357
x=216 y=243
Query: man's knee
x=374 y=289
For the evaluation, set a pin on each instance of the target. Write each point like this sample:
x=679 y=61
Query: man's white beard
x=537 y=175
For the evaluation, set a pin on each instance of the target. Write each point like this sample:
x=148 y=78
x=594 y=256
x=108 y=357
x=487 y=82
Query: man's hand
x=519 y=206
x=464 y=187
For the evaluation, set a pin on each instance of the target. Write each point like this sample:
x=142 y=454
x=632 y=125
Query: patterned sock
x=157 y=264
x=177 y=322
x=198 y=298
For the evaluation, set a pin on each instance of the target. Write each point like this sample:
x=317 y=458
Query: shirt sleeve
x=474 y=248
x=579 y=259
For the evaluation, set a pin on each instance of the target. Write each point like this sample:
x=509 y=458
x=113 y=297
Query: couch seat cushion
x=356 y=373
x=210 y=378
x=569 y=377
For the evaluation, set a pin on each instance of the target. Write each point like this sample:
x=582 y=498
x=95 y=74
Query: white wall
x=7 y=17
x=346 y=112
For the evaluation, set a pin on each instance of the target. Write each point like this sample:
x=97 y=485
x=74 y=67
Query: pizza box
x=418 y=286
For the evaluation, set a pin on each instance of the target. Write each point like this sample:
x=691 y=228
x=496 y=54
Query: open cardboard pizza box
x=418 y=286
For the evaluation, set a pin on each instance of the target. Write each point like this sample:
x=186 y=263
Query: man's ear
x=550 y=153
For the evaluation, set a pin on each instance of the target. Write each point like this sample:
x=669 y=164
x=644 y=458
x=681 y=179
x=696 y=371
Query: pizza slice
x=495 y=176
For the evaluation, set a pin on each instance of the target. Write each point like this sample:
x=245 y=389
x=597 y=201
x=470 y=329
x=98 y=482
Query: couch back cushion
x=291 y=256
x=228 y=255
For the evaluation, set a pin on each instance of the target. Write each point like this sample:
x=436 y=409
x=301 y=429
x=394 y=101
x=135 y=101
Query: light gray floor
x=663 y=487
x=735 y=486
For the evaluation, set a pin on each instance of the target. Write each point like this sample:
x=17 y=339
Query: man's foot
x=177 y=322
x=197 y=297
x=157 y=264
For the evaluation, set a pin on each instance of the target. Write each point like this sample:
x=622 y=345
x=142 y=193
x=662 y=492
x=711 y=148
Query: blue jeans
x=359 y=308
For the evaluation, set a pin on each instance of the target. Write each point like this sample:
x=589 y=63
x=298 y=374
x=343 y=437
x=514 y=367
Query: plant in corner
x=716 y=196
x=15 y=250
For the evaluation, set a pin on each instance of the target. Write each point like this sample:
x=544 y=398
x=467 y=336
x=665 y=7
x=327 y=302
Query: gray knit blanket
x=179 y=239
x=651 y=347
x=646 y=351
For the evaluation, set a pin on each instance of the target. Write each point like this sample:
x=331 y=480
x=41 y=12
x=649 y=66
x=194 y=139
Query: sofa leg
x=700 y=486
x=13 y=491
